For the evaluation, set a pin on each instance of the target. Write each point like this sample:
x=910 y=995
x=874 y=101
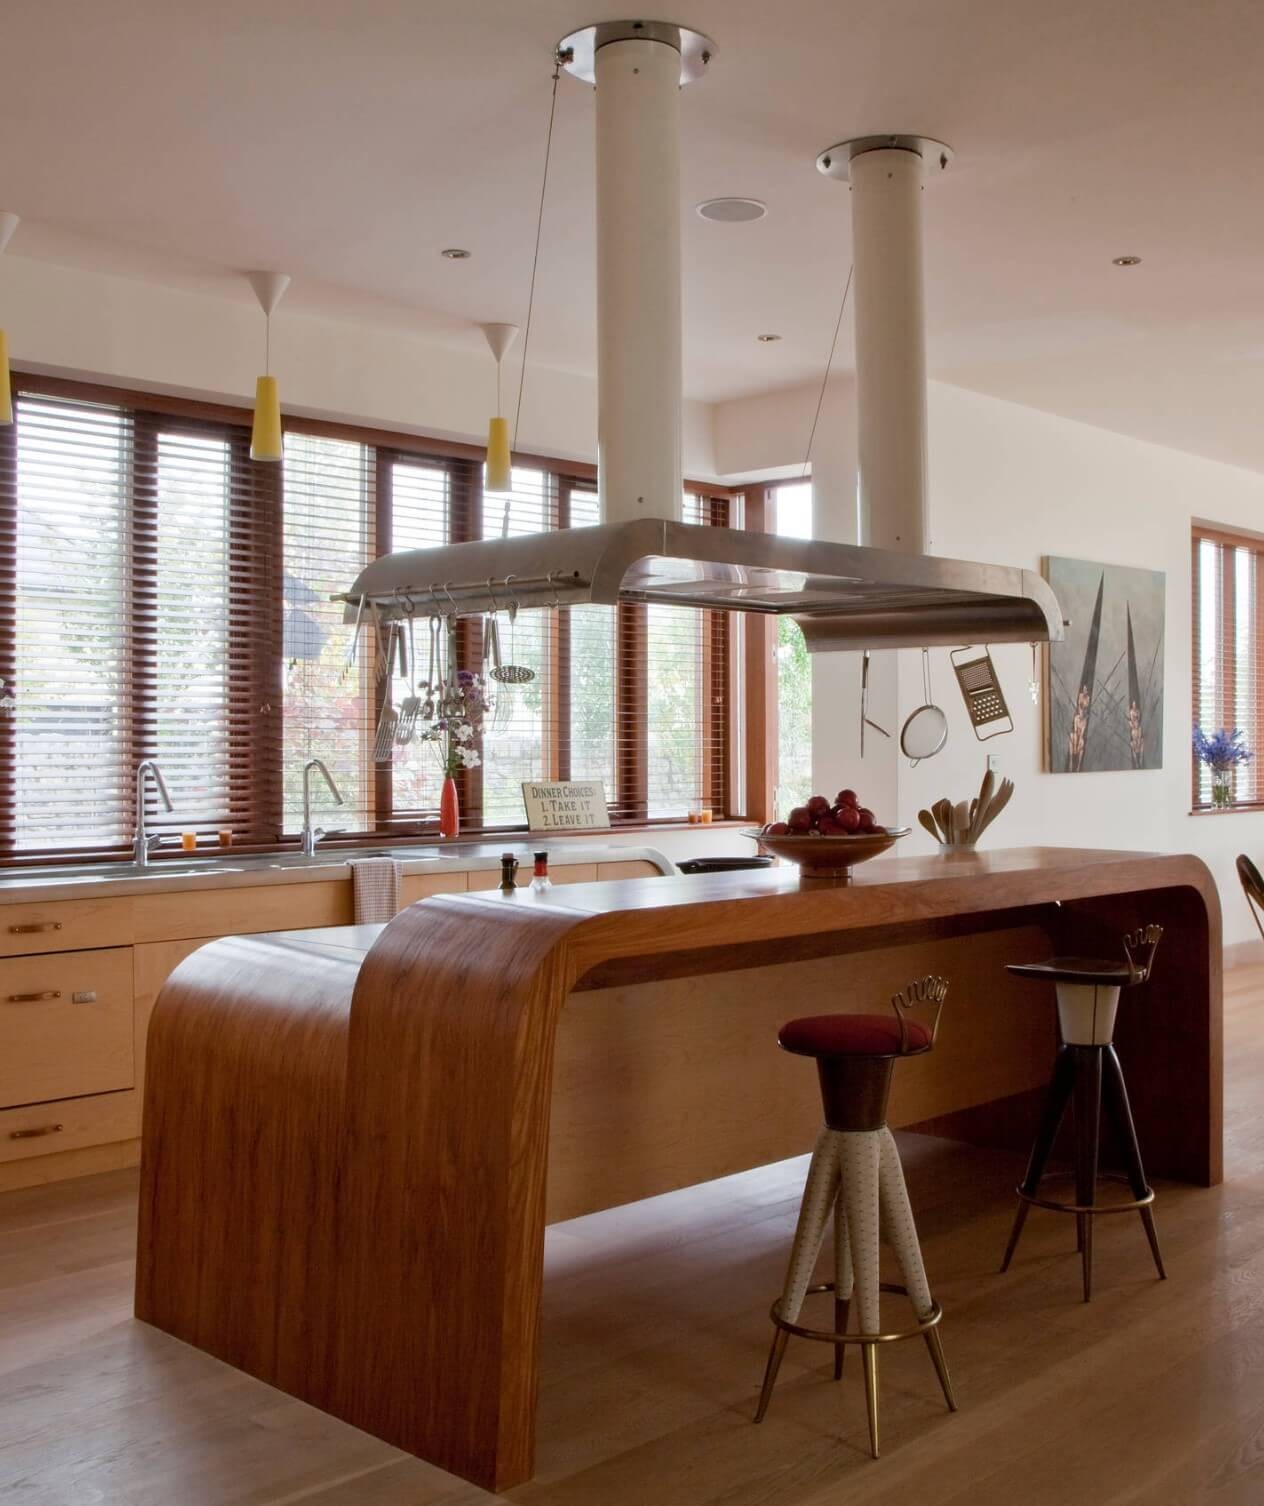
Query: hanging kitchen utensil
x=382 y=637
x=864 y=704
x=981 y=691
x=430 y=705
x=387 y=722
x=1033 y=685
x=410 y=706
x=499 y=716
x=926 y=730
x=513 y=673
x=353 y=648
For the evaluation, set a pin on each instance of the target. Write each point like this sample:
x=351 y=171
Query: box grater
x=981 y=691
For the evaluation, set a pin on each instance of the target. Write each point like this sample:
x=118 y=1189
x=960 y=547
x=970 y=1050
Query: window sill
x=1239 y=808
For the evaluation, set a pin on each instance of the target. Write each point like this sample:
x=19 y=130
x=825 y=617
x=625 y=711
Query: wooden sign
x=577 y=805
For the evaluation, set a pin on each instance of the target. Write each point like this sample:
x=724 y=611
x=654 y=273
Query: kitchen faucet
x=141 y=843
x=312 y=835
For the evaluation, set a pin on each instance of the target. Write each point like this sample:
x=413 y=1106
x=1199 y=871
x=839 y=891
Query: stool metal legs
x=858 y=1174
x=1090 y=1077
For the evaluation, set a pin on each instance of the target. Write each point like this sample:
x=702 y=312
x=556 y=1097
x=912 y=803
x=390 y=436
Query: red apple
x=799 y=819
x=867 y=822
x=776 y=829
x=818 y=805
x=849 y=818
x=848 y=797
x=828 y=827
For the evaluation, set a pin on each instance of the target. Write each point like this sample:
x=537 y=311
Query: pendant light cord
x=558 y=59
x=820 y=401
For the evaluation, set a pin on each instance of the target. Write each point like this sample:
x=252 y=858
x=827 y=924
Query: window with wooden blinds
x=1228 y=655
x=138 y=614
x=161 y=595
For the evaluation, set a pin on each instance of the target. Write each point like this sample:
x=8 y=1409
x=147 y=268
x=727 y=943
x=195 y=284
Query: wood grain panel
x=225 y=912
x=393 y=1115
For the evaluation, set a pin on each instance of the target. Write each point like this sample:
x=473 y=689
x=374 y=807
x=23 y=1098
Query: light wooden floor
x=655 y=1341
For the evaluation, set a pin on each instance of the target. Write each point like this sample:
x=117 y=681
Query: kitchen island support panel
x=353 y=1140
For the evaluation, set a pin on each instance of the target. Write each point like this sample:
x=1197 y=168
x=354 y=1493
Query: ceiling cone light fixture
x=499 y=464
x=8 y=224
x=265 y=433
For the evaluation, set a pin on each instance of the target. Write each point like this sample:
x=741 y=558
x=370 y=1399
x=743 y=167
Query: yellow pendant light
x=499 y=461
x=265 y=433
x=8 y=224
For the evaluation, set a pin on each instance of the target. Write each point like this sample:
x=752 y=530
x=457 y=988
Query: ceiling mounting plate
x=695 y=50
x=835 y=161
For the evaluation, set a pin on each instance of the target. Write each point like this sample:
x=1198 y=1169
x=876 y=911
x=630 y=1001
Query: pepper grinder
x=508 y=872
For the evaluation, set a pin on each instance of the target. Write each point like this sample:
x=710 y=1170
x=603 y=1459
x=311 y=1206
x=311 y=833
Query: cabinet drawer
x=42 y=1128
x=415 y=886
x=65 y=1025
x=63 y=926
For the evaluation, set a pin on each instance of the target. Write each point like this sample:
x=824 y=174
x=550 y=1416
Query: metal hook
x=556 y=601
x=491 y=595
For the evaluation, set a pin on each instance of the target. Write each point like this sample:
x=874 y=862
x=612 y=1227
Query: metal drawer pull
x=49 y=993
x=84 y=996
x=34 y=1134
x=31 y=930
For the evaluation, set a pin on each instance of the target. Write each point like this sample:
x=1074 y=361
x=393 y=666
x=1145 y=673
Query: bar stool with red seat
x=855 y=1173
x=1086 y=1071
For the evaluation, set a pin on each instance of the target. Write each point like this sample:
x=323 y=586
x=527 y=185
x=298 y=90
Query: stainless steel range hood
x=843 y=596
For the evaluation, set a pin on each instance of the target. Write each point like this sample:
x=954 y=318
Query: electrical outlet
x=994 y=762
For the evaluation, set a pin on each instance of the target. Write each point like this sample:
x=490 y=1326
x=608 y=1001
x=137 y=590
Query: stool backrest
x=1139 y=948
x=1253 y=888
x=922 y=991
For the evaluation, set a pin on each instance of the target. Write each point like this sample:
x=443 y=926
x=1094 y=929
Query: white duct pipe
x=638 y=280
x=890 y=318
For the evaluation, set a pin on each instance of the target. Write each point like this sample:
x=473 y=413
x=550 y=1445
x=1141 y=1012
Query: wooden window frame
x=255 y=723
x=1229 y=670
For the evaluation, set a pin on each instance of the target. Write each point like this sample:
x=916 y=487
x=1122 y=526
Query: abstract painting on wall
x=1104 y=701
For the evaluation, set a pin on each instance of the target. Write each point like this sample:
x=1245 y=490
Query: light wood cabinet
x=65 y=1025
x=72 y=1070
x=69 y=1124
x=64 y=925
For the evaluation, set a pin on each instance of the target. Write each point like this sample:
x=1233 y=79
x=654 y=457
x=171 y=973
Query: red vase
x=449 y=809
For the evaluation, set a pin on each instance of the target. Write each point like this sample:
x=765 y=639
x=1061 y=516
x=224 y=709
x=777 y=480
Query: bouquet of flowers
x=1222 y=753
x=454 y=735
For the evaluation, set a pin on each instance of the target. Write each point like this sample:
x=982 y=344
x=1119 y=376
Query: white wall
x=1009 y=485
x=70 y=322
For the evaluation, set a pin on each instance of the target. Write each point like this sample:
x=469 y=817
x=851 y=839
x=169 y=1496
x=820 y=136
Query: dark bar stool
x=856 y=1173
x=1253 y=888
x=1086 y=1071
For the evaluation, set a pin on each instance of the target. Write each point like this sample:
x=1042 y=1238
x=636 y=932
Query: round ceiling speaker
x=732 y=211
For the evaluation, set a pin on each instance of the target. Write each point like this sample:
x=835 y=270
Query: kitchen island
x=354 y=1138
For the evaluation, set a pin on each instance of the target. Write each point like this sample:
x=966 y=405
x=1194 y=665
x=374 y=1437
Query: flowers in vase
x=454 y=736
x=1223 y=753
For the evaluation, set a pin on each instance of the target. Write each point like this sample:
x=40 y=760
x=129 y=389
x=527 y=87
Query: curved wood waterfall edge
x=345 y=1163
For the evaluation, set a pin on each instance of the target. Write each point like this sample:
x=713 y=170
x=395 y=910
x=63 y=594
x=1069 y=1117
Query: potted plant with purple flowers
x=454 y=736
x=1223 y=753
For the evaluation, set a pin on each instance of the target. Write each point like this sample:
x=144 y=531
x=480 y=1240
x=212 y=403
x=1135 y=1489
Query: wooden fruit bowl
x=829 y=857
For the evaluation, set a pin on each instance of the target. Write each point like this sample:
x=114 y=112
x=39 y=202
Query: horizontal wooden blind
x=1228 y=655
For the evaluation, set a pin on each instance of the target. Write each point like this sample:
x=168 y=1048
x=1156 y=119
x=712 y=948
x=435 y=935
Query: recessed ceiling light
x=456 y=253
x=732 y=211
x=1126 y=261
x=767 y=339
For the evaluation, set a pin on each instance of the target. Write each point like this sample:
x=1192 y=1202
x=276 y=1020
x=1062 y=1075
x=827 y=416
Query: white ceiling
x=348 y=141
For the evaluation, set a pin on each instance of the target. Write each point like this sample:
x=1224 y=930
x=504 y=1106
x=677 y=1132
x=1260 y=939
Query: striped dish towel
x=375 y=883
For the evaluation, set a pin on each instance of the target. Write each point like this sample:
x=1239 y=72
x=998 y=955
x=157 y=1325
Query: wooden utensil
x=931 y=825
